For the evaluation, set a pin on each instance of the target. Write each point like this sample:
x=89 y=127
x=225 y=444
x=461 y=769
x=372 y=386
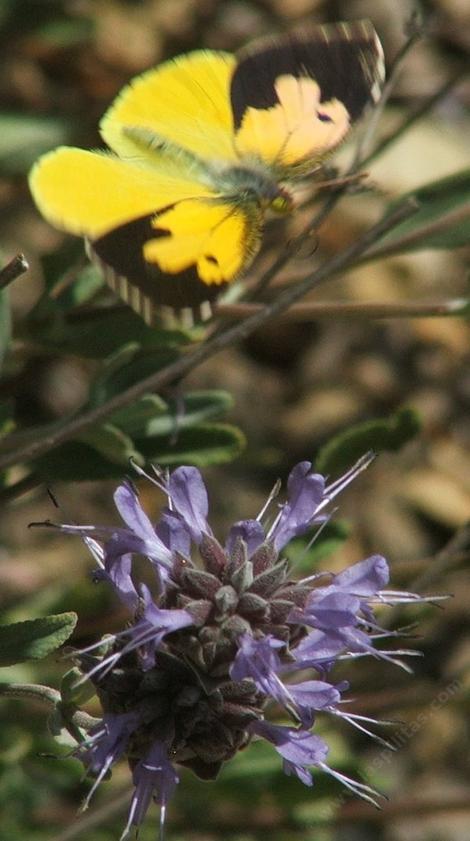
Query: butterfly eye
x=324 y=118
x=281 y=204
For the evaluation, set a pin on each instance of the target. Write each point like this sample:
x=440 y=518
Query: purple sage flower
x=220 y=637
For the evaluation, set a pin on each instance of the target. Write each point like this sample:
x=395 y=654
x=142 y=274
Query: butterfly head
x=282 y=202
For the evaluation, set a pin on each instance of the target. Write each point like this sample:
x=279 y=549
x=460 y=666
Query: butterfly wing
x=181 y=105
x=295 y=98
x=183 y=257
x=161 y=239
x=90 y=193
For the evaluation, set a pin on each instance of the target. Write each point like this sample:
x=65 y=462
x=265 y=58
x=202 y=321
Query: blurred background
x=294 y=387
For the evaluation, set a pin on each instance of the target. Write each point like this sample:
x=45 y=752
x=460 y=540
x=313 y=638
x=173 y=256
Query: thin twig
x=22 y=486
x=443 y=560
x=402 y=807
x=98 y=816
x=436 y=566
x=353 y=812
x=48 y=439
x=294 y=244
x=411 y=119
x=416 y=237
x=311 y=311
x=14 y=269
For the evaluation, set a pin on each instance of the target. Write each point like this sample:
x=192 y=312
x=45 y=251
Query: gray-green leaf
x=345 y=449
x=34 y=638
x=442 y=219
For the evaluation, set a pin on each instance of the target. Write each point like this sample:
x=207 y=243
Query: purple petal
x=303 y=774
x=365 y=578
x=123 y=542
x=173 y=533
x=189 y=497
x=358 y=641
x=328 y=610
x=343 y=639
x=166 y=620
x=313 y=695
x=141 y=536
x=305 y=493
x=105 y=744
x=156 y=623
x=251 y=531
x=256 y=659
x=154 y=779
x=117 y=572
x=317 y=650
x=107 y=741
x=298 y=747
x=131 y=511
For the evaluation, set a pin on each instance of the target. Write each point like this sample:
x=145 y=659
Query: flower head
x=221 y=636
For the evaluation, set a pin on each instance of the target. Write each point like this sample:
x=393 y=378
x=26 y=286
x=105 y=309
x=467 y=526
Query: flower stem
x=47 y=695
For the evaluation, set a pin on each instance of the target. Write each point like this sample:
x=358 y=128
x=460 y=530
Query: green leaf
x=35 y=638
x=5 y=324
x=59 y=267
x=111 y=443
x=59 y=322
x=201 y=445
x=385 y=434
x=63 y=33
x=101 y=387
x=441 y=221
x=24 y=138
x=128 y=366
x=76 y=462
x=7 y=425
x=74 y=690
x=104 y=452
x=138 y=418
x=97 y=334
x=193 y=408
x=7 y=421
x=87 y=282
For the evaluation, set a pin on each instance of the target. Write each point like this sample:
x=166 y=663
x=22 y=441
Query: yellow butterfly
x=201 y=147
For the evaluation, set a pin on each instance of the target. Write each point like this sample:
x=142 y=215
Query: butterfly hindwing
x=172 y=238
x=294 y=98
x=184 y=256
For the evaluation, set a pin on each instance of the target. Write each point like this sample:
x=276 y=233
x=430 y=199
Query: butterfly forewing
x=92 y=193
x=294 y=98
x=184 y=103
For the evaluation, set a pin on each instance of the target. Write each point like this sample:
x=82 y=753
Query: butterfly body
x=202 y=147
